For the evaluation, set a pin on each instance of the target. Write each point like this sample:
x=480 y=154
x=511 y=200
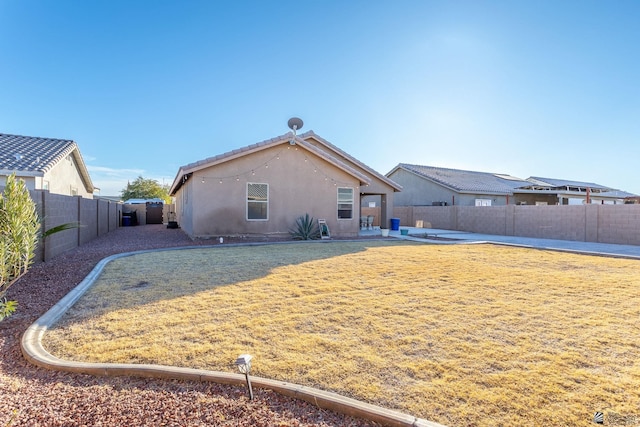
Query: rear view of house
x=45 y=164
x=261 y=189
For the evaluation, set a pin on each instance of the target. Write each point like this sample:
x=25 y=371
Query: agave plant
x=305 y=229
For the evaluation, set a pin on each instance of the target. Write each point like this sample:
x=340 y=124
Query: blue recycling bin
x=395 y=224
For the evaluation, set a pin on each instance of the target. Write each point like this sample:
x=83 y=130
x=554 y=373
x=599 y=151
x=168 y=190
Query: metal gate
x=154 y=213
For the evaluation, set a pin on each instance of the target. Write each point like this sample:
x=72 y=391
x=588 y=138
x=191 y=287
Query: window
x=483 y=202
x=345 y=203
x=257 y=202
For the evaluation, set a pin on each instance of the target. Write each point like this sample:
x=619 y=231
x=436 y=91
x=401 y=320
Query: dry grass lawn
x=463 y=335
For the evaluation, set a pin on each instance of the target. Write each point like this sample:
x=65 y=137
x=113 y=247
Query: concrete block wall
x=167 y=209
x=375 y=212
x=442 y=217
x=490 y=220
x=103 y=216
x=96 y=217
x=405 y=213
x=618 y=224
x=89 y=219
x=561 y=222
x=140 y=209
x=115 y=213
x=59 y=209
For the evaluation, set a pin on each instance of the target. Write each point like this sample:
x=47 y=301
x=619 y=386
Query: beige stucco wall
x=184 y=209
x=64 y=176
x=29 y=181
x=299 y=183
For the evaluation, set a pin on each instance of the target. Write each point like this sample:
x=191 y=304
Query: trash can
x=395 y=224
x=126 y=221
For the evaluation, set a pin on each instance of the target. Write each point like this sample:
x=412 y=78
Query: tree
x=143 y=188
x=19 y=229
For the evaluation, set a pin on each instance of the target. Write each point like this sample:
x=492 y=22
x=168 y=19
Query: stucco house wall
x=294 y=189
x=184 y=207
x=64 y=178
x=418 y=191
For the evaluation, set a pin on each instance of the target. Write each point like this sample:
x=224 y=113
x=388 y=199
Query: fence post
x=79 y=216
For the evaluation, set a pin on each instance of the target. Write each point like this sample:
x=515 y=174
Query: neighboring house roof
x=566 y=184
x=559 y=185
x=33 y=156
x=464 y=181
x=618 y=194
x=301 y=141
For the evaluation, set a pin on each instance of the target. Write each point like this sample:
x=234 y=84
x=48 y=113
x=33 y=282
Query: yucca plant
x=19 y=228
x=305 y=229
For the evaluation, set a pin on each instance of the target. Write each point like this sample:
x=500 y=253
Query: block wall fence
x=619 y=224
x=96 y=216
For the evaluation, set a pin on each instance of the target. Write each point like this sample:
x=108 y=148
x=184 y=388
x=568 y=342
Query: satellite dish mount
x=294 y=124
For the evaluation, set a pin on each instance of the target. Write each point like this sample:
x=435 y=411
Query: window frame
x=483 y=202
x=247 y=202
x=342 y=202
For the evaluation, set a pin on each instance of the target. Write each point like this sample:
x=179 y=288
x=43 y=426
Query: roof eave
x=20 y=173
x=311 y=134
x=234 y=154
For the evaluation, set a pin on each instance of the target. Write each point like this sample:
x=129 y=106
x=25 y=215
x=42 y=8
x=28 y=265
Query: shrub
x=19 y=227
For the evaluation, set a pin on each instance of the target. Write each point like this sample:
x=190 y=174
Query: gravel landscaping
x=33 y=396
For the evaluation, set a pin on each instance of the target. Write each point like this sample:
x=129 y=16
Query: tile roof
x=36 y=156
x=29 y=154
x=466 y=181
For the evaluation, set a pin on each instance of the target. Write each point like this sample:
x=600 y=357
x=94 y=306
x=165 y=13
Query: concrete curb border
x=35 y=353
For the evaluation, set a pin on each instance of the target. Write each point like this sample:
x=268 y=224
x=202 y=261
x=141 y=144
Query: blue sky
x=542 y=88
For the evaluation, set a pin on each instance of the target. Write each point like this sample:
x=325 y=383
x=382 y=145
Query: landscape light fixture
x=243 y=362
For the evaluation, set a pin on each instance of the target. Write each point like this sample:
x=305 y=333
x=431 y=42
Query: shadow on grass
x=146 y=278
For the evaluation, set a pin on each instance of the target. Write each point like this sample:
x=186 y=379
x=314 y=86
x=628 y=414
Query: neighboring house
x=428 y=186
x=433 y=186
x=263 y=188
x=45 y=164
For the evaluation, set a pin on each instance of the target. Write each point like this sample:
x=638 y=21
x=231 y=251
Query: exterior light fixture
x=243 y=362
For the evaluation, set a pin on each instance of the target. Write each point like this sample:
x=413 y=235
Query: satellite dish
x=294 y=124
